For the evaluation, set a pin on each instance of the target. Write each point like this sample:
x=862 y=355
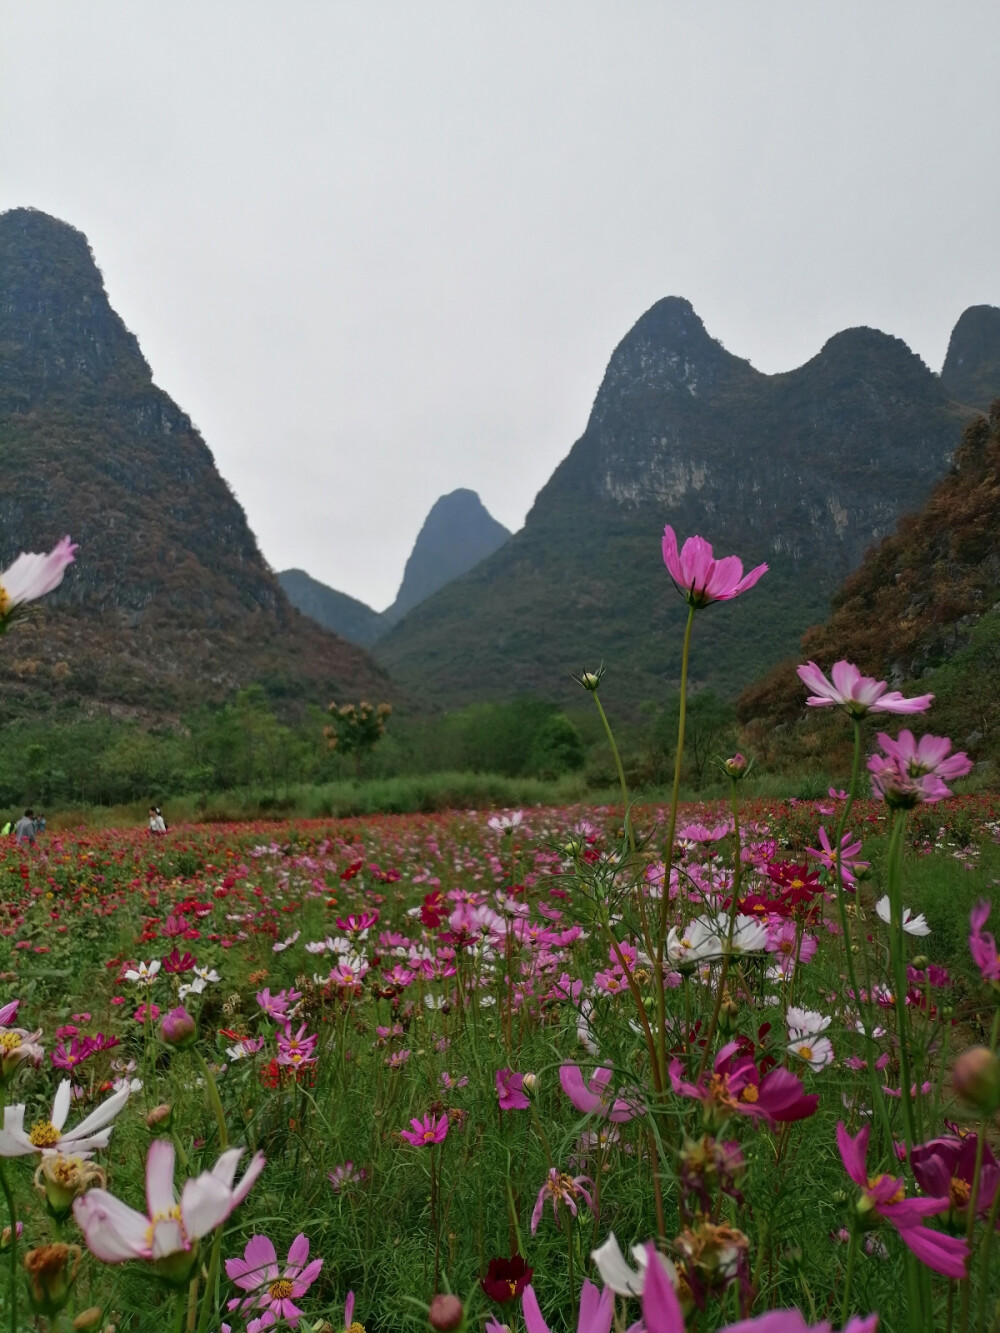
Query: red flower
x=506 y=1279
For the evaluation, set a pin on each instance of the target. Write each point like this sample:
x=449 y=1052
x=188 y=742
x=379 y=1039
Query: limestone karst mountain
x=457 y=534
x=170 y=603
x=804 y=469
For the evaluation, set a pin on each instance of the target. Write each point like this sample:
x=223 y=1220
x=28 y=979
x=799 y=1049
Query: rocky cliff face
x=170 y=602
x=805 y=470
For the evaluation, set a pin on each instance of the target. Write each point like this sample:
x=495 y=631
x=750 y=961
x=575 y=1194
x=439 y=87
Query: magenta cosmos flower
x=116 y=1233
x=425 y=1133
x=561 y=1189
x=946 y=1168
x=597 y=1309
x=270 y=1290
x=847 y=856
x=593 y=1097
x=736 y=1087
x=699 y=577
x=982 y=944
x=856 y=693
x=885 y=1196
x=661 y=1310
x=510 y=1091
x=32 y=576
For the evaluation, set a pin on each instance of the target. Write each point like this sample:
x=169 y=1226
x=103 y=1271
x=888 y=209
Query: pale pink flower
x=116 y=1233
x=561 y=1189
x=699 y=577
x=597 y=1310
x=856 y=693
x=32 y=576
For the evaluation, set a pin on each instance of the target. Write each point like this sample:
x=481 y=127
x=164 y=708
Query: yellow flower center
x=750 y=1093
x=798 y=883
x=959 y=1192
x=4 y=601
x=44 y=1134
x=806 y=1052
x=513 y=1287
x=898 y=1197
x=10 y=1041
x=281 y=1290
x=172 y=1215
x=356 y=1328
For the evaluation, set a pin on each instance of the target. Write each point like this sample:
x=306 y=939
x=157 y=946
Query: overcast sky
x=380 y=250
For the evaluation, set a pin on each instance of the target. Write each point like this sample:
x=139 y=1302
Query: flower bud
x=729 y=1012
x=61 y=1179
x=88 y=1318
x=5 y=1236
x=920 y=962
x=529 y=1082
x=738 y=766
x=51 y=1271
x=160 y=1116
x=591 y=680
x=446 y=1313
x=179 y=1029
x=976 y=1079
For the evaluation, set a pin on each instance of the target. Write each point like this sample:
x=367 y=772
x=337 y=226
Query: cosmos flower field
x=651 y=1068
x=371 y=998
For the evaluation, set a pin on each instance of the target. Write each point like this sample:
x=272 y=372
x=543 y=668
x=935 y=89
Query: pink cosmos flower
x=32 y=576
x=982 y=945
x=597 y=1310
x=593 y=1098
x=885 y=1196
x=116 y=1233
x=510 y=1091
x=425 y=1133
x=561 y=1189
x=273 y=1292
x=298 y=1049
x=911 y=773
x=848 y=856
x=661 y=1310
x=856 y=693
x=702 y=832
x=700 y=578
x=736 y=1087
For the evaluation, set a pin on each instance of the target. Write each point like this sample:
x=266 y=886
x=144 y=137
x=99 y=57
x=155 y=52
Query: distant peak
x=971 y=371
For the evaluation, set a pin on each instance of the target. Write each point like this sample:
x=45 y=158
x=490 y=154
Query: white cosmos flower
x=47 y=1135
x=190 y=988
x=505 y=823
x=145 y=975
x=208 y=974
x=706 y=938
x=616 y=1273
x=280 y=945
x=805 y=1022
x=817 y=1052
x=913 y=925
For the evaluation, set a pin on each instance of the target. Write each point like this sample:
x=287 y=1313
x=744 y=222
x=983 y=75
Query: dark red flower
x=506 y=1278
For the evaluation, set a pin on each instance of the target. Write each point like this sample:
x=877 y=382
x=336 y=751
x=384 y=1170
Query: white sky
x=381 y=250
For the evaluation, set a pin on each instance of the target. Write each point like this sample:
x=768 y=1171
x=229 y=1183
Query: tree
x=356 y=730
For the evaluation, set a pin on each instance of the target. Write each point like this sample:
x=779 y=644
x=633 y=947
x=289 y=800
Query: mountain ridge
x=805 y=468
x=170 y=602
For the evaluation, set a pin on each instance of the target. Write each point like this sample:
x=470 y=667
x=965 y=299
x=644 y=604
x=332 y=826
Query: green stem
x=5 y=1186
x=621 y=771
x=897 y=949
x=214 y=1100
x=852 y=1256
x=180 y=1308
x=661 y=987
x=878 y=1101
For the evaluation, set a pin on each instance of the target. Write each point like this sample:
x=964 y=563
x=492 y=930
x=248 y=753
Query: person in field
x=157 y=824
x=25 y=830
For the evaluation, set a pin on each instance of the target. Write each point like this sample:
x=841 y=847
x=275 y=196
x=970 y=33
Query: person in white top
x=156 y=821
